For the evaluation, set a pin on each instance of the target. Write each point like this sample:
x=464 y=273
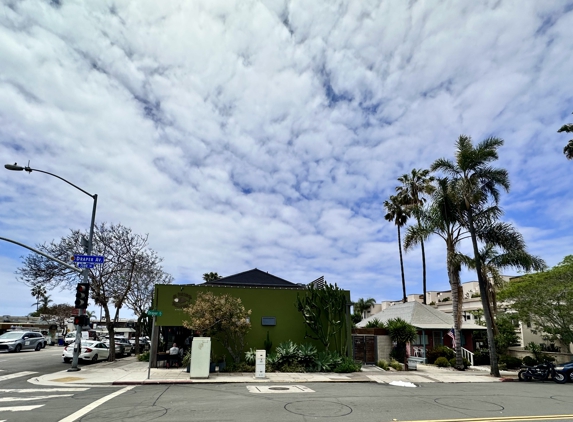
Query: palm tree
x=414 y=186
x=513 y=255
x=477 y=184
x=396 y=213
x=442 y=218
x=38 y=292
x=362 y=305
x=568 y=150
x=45 y=302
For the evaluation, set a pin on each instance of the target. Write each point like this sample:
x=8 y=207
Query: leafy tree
x=401 y=332
x=211 y=276
x=545 y=299
x=568 y=150
x=324 y=313
x=356 y=317
x=477 y=183
x=414 y=186
x=506 y=335
x=362 y=305
x=60 y=313
x=128 y=261
x=398 y=214
x=222 y=317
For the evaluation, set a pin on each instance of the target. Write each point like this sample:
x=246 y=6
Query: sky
x=267 y=134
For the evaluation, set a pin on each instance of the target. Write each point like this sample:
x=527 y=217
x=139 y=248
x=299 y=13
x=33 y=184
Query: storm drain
x=278 y=389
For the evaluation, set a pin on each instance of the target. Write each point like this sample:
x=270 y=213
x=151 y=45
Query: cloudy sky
x=268 y=133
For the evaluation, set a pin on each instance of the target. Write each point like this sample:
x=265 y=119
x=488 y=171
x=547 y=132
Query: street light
x=77 y=348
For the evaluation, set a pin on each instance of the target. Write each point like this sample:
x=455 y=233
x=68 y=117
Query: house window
x=268 y=321
x=421 y=339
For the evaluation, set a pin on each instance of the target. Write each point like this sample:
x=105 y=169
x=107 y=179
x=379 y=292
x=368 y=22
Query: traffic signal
x=82 y=294
x=81 y=320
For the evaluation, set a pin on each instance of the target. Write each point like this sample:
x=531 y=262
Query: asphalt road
x=513 y=401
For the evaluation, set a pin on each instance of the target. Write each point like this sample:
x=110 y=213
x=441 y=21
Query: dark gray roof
x=420 y=316
x=254 y=278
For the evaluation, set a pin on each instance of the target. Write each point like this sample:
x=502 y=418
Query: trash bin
x=60 y=342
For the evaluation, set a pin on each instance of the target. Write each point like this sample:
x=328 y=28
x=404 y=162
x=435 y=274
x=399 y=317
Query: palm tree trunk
x=483 y=288
x=404 y=298
x=423 y=269
x=455 y=284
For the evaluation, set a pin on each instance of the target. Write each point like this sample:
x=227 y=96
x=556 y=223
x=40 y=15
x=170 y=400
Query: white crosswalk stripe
x=16 y=375
x=10 y=399
x=24 y=391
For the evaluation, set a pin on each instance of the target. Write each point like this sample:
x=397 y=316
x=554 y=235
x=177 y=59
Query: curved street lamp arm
x=30 y=170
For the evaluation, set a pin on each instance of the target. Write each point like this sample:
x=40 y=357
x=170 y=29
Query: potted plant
x=187 y=360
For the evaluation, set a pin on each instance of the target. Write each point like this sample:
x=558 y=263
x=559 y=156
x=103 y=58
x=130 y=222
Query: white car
x=91 y=350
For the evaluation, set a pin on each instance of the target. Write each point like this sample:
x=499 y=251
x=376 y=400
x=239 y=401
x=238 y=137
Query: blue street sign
x=92 y=259
x=85 y=265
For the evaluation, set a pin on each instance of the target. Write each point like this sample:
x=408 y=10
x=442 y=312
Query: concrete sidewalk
x=129 y=371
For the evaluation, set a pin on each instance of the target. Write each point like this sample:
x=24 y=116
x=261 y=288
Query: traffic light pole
x=78 y=342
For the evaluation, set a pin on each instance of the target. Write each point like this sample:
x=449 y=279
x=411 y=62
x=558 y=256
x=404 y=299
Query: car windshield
x=11 y=336
x=89 y=343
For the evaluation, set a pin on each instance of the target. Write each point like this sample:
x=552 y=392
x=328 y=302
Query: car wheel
x=38 y=347
x=559 y=378
x=67 y=360
x=18 y=348
x=94 y=359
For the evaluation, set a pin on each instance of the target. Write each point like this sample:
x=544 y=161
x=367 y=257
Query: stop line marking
x=39 y=390
x=20 y=408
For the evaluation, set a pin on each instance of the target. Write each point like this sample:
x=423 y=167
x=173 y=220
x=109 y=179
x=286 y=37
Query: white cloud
x=267 y=134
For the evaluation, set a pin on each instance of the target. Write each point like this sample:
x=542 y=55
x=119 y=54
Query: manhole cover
x=318 y=409
x=279 y=388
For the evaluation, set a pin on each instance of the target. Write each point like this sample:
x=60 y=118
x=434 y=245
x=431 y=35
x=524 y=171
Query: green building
x=272 y=301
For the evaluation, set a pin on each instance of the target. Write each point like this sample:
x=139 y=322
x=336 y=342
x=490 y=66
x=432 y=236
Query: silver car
x=14 y=341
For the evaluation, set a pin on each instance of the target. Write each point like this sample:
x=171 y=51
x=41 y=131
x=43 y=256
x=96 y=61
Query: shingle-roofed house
x=433 y=326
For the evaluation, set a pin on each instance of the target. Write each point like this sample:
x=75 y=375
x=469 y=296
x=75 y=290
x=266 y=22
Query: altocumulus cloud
x=268 y=133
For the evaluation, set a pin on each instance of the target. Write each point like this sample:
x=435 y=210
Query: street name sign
x=85 y=265
x=152 y=312
x=92 y=259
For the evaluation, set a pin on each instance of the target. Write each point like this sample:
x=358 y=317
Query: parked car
x=91 y=350
x=14 y=341
x=567 y=370
x=143 y=343
x=122 y=346
x=71 y=337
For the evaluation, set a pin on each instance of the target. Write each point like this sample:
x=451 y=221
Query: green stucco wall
x=263 y=302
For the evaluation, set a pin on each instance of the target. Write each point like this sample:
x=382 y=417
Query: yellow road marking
x=503 y=419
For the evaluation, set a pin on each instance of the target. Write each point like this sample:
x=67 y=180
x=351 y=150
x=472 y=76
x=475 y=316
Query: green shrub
x=481 y=357
x=442 y=362
x=440 y=351
x=250 y=356
x=398 y=353
x=287 y=353
x=510 y=362
x=292 y=367
x=272 y=362
x=326 y=361
x=529 y=361
x=394 y=364
x=307 y=355
x=374 y=323
x=466 y=363
x=143 y=357
x=383 y=363
x=347 y=365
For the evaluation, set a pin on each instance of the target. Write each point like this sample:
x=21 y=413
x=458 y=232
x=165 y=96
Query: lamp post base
x=74 y=369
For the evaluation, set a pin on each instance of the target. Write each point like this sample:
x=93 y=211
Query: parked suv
x=14 y=341
x=122 y=346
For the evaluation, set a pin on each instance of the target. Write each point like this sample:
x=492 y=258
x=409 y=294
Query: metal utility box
x=200 y=357
x=261 y=361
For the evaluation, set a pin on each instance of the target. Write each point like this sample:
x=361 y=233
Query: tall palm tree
x=362 y=305
x=568 y=150
x=414 y=186
x=398 y=214
x=38 y=292
x=442 y=218
x=478 y=185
